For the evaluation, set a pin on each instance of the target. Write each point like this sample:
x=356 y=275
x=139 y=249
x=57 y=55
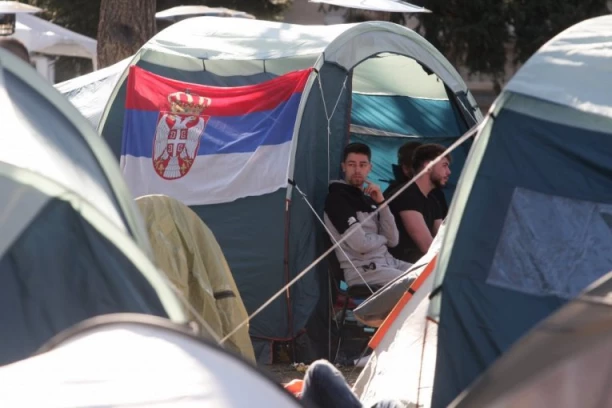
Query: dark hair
x=406 y=152
x=16 y=47
x=359 y=148
x=425 y=153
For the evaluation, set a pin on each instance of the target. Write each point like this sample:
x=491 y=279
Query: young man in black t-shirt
x=417 y=212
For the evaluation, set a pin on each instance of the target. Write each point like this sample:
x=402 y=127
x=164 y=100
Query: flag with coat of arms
x=207 y=145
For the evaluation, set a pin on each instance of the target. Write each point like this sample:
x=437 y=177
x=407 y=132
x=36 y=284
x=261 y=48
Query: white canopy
x=391 y=6
x=572 y=69
x=43 y=37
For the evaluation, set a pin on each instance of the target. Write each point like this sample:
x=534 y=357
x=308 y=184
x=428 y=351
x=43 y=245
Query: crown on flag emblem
x=188 y=103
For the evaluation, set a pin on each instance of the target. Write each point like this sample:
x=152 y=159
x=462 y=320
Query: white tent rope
x=328 y=117
x=332 y=236
x=451 y=148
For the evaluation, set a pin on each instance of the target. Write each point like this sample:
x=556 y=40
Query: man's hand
x=373 y=190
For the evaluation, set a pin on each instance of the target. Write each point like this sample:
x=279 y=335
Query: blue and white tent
x=375 y=82
x=530 y=226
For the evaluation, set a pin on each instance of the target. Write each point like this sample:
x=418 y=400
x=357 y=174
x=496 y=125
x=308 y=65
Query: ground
x=283 y=373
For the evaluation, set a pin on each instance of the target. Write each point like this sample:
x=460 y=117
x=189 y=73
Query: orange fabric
x=416 y=285
x=295 y=386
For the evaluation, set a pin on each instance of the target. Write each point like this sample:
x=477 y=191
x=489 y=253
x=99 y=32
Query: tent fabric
x=90 y=92
x=269 y=239
x=187 y=251
x=44 y=37
x=402 y=366
x=485 y=304
x=136 y=361
x=35 y=105
x=424 y=118
x=375 y=309
x=403 y=360
x=73 y=245
x=579 y=59
x=562 y=362
x=536 y=187
x=44 y=136
x=378 y=76
x=76 y=273
x=268 y=47
x=343 y=44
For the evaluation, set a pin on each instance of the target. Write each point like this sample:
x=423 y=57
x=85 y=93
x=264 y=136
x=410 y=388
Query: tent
x=73 y=245
x=89 y=93
x=45 y=41
x=563 y=362
x=126 y=360
x=530 y=225
x=187 y=251
x=353 y=93
x=402 y=363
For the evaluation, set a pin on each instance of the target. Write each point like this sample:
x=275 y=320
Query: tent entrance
x=395 y=99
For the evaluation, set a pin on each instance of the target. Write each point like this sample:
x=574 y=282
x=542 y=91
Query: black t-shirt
x=438 y=194
x=411 y=199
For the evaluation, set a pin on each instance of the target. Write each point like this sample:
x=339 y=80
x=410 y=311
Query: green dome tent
x=72 y=244
x=530 y=226
x=375 y=82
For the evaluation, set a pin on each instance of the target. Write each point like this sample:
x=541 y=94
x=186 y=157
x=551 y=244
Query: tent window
x=551 y=245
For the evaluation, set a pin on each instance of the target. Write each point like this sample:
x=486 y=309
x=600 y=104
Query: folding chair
x=349 y=297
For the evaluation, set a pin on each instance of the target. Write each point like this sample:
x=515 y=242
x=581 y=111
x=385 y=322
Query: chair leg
x=341 y=329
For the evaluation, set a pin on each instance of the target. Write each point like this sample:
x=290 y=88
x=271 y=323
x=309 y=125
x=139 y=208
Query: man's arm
x=343 y=218
x=415 y=226
x=436 y=226
x=440 y=203
x=388 y=227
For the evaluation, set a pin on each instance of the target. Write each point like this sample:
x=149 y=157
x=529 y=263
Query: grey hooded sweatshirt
x=346 y=210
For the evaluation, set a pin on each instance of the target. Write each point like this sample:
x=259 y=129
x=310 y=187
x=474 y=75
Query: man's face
x=440 y=173
x=356 y=168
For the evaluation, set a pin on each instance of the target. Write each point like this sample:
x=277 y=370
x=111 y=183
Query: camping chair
x=348 y=297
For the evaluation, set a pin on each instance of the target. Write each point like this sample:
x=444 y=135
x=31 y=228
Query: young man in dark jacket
x=364 y=255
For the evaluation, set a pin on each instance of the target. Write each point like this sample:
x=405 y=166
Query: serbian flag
x=208 y=145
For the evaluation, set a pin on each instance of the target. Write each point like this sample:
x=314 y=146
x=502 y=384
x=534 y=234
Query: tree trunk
x=124 y=26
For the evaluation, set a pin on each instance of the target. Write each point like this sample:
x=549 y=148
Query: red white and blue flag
x=206 y=145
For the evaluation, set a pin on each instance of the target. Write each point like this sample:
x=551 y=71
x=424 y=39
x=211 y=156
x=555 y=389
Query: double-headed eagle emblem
x=178 y=134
